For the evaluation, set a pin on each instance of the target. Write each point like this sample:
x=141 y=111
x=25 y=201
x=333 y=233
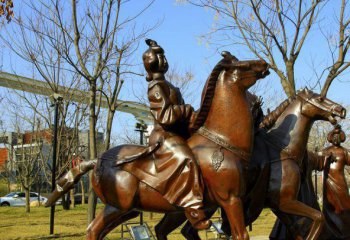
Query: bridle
x=317 y=105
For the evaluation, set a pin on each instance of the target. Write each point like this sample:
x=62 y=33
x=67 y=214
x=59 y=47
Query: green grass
x=16 y=224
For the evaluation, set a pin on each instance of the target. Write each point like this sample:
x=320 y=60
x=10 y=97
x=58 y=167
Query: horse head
x=320 y=108
x=243 y=73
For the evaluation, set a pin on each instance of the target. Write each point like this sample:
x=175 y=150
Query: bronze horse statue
x=274 y=171
x=336 y=198
x=222 y=147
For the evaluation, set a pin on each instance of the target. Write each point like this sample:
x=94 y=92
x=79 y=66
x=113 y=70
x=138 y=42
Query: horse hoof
x=202 y=225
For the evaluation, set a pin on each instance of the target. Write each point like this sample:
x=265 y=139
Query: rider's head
x=336 y=136
x=154 y=60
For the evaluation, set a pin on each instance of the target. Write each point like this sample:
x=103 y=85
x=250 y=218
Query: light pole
x=56 y=100
x=142 y=128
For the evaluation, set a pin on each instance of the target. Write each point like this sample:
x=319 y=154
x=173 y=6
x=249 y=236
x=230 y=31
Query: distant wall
x=3 y=157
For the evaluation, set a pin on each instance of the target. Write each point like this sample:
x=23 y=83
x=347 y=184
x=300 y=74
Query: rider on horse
x=177 y=169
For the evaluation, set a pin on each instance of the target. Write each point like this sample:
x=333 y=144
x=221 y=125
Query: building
x=14 y=145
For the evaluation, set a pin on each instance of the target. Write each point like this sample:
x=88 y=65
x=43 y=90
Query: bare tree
x=277 y=31
x=113 y=78
x=89 y=37
x=23 y=162
x=48 y=63
x=182 y=78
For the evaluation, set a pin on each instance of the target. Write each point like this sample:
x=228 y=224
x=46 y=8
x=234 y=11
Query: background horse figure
x=222 y=148
x=336 y=199
x=276 y=173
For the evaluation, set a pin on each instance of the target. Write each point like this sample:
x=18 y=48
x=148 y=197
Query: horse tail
x=67 y=182
x=271 y=118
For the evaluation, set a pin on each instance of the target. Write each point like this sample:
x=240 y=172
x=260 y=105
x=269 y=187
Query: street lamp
x=56 y=100
x=142 y=128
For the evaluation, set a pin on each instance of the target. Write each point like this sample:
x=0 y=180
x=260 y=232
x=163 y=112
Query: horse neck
x=230 y=116
x=292 y=129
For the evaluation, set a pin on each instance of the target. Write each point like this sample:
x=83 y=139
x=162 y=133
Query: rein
x=214 y=137
x=317 y=105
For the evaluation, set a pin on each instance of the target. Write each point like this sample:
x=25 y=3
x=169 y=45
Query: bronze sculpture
x=336 y=189
x=221 y=142
x=275 y=174
x=336 y=199
x=172 y=119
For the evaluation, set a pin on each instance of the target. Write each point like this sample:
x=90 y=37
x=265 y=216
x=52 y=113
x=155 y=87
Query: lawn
x=71 y=224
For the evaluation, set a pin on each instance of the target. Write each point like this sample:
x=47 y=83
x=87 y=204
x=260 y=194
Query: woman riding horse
x=177 y=176
x=221 y=143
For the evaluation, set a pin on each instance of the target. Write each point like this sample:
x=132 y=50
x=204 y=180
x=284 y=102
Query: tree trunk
x=82 y=191
x=8 y=184
x=72 y=200
x=65 y=201
x=27 y=193
x=290 y=88
x=109 y=129
x=39 y=190
x=92 y=200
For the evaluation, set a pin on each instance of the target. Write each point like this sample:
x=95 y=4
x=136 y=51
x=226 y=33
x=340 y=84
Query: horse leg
x=298 y=208
x=169 y=223
x=286 y=219
x=288 y=203
x=189 y=232
x=108 y=219
x=233 y=208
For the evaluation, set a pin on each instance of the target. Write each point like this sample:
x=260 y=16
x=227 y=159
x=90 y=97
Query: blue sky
x=178 y=35
x=183 y=23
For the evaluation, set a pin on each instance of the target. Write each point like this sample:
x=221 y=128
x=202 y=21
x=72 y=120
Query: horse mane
x=208 y=94
x=271 y=118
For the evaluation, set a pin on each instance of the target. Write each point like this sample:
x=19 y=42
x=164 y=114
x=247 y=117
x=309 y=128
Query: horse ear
x=307 y=90
x=226 y=54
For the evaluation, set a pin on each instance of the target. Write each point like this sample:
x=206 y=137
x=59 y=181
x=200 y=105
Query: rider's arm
x=162 y=109
x=347 y=157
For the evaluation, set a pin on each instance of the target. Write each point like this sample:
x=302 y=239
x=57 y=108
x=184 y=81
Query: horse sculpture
x=222 y=147
x=336 y=199
x=279 y=148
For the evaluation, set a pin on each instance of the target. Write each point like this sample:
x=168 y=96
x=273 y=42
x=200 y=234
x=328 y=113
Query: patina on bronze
x=336 y=199
x=275 y=166
x=126 y=188
x=177 y=174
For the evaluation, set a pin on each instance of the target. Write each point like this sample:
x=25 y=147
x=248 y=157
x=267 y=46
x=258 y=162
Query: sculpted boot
x=197 y=218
